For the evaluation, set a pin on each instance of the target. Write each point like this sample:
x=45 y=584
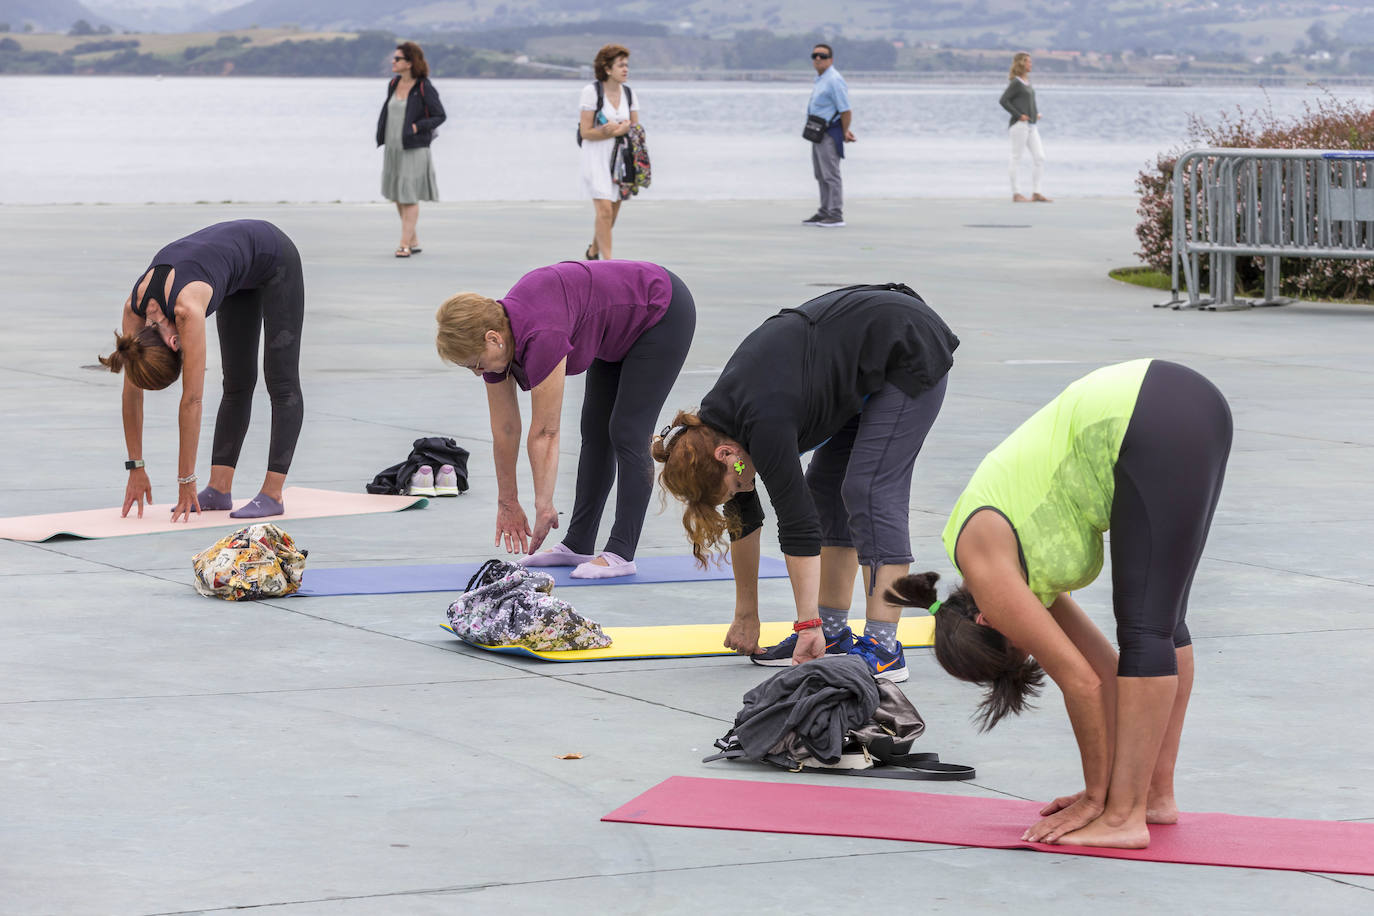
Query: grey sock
x=884 y=633
x=260 y=506
x=833 y=620
x=212 y=500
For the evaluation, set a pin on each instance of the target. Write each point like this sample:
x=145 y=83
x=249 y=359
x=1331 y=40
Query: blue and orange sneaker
x=891 y=665
x=780 y=656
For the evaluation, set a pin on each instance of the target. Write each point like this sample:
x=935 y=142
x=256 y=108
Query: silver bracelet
x=191 y=479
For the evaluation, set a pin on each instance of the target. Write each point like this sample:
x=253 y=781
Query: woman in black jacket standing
x=406 y=127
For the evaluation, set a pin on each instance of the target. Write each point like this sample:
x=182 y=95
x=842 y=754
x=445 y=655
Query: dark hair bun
x=915 y=590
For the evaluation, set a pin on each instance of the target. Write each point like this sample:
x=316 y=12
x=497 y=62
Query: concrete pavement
x=166 y=753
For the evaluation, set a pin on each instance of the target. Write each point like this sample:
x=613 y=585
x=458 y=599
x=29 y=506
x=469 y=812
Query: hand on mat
x=187 y=501
x=743 y=635
x=810 y=645
x=137 y=490
x=1078 y=813
x=545 y=518
x=512 y=527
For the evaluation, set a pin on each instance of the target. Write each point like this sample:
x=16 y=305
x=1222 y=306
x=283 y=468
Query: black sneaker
x=830 y=224
x=813 y=220
x=780 y=656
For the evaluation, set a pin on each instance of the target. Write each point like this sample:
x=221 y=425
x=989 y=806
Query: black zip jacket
x=423 y=110
x=805 y=372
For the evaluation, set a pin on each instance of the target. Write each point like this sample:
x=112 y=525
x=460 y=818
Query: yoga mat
x=300 y=502
x=697 y=640
x=997 y=823
x=453 y=577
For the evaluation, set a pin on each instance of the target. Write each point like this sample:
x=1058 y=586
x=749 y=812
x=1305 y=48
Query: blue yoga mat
x=453 y=577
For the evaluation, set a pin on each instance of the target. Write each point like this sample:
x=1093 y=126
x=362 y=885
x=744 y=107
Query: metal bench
x=1273 y=204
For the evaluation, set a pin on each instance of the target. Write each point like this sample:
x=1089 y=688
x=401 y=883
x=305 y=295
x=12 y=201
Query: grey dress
x=407 y=174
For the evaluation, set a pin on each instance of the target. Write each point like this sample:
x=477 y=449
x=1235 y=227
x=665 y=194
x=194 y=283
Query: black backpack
x=601 y=100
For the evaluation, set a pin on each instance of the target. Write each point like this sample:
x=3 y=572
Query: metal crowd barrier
x=1231 y=203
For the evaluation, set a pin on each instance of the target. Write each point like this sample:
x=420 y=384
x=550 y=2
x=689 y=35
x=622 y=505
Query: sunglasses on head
x=817 y=55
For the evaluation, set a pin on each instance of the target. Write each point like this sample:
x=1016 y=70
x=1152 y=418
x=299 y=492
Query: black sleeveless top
x=236 y=255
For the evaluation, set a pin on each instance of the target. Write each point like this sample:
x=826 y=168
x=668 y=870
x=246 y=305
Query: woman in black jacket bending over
x=405 y=127
x=856 y=376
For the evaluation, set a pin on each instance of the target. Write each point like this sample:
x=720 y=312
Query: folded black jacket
x=435 y=451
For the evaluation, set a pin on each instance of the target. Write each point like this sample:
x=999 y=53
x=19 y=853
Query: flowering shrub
x=1331 y=124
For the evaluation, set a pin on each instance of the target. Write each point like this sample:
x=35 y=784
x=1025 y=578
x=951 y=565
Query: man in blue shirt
x=829 y=100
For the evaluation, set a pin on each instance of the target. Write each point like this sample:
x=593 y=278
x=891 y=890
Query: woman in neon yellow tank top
x=1139 y=448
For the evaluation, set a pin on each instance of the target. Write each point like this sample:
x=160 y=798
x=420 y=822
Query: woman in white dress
x=599 y=129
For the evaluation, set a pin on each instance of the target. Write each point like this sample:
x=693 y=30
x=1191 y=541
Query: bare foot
x=1161 y=811
x=1019 y=199
x=1101 y=833
x=1041 y=199
x=599 y=561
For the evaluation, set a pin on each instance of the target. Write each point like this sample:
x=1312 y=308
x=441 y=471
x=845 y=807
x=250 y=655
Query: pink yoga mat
x=300 y=502
x=996 y=823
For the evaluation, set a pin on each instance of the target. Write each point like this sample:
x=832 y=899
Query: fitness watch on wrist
x=133 y=463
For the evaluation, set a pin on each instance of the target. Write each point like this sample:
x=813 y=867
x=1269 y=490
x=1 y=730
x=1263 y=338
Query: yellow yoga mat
x=698 y=640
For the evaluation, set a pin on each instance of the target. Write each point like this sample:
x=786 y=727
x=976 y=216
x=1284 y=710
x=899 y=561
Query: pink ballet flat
x=555 y=556
x=614 y=568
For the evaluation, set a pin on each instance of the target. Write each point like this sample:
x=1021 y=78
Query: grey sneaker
x=446 y=483
x=422 y=482
x=830 y=223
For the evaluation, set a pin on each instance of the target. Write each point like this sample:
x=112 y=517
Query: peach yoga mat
x=300 y=502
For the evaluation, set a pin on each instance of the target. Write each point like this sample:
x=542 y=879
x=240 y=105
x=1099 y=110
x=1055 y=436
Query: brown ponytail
x=693 y=475
x=145 y=359
x=972 y=651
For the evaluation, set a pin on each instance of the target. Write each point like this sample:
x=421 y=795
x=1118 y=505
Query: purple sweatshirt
x=582 y=310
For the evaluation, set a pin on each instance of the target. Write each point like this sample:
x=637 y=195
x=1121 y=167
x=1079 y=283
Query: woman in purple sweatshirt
x=628 y=326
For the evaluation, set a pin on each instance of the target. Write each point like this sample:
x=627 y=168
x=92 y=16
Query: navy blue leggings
x=1168 y=480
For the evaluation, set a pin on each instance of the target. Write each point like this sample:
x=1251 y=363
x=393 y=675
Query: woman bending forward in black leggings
x=249 y=273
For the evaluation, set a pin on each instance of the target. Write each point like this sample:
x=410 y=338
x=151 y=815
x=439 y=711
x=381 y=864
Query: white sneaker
x=446 y=484
x=422 y=483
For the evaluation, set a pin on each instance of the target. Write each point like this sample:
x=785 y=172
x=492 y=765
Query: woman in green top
x=1139 y=448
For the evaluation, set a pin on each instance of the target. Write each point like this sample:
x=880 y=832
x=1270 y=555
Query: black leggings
x=620 y=410
x=1168 y=479
x=278 y=308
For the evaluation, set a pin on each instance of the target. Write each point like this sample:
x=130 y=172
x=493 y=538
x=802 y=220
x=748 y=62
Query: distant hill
x=1157 y=26
x=332 y=15
x=47 y=15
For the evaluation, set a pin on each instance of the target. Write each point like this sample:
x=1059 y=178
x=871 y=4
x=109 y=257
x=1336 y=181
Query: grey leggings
x=619 y=415
x=860 y=478
x=278 y=308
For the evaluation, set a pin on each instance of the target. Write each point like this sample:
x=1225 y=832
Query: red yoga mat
x=996 y=823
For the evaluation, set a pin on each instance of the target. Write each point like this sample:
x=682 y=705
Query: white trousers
x=1024 y=136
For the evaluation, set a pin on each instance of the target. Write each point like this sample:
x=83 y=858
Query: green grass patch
x=1142 y=276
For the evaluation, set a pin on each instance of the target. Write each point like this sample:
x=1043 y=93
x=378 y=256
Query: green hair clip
x=935 y=607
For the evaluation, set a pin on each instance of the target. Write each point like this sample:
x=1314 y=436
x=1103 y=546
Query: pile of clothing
x=506 y=604
x=833 y=715
x=260 y=561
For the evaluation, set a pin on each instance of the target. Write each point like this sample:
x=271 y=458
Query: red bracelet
x=805 y=624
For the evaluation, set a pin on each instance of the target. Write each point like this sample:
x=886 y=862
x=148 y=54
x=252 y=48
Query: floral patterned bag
x=260 y=561
x=509 y=605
